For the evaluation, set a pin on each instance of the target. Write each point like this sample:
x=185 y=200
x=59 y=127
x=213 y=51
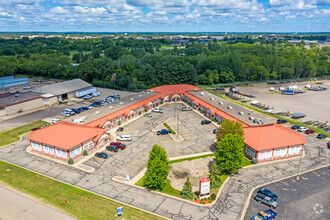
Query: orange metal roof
x=266 y=137
x=174 y=89
x=65 y=135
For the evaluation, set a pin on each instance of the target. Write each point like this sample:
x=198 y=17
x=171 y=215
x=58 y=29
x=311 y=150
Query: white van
x=124 y=137
x=55 y=120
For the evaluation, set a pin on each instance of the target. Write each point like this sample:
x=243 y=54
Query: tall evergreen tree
x=157 y=168
x=186 y=192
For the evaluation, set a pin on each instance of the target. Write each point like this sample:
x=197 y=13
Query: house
x=63 y=140
x=271 y=142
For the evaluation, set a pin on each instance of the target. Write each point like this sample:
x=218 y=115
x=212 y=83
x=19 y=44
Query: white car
x=55 y=120
x=124 y=137
x=302 y=129
x=66 y=114
x=158 y=110
x=147 y=115
x=271 y=89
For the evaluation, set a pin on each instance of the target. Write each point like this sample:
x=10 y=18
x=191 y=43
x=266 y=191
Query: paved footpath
x=229 y=206
x=15 y=205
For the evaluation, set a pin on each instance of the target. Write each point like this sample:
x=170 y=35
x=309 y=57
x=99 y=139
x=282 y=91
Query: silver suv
x=266 y=200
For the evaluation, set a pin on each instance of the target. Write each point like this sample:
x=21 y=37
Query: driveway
x=229 y=206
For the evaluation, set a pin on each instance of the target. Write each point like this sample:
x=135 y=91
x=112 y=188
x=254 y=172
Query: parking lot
x=197 y=139
x=311 y=103
x=306 y=198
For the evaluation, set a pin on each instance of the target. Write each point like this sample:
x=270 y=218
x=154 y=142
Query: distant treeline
x=133 y=64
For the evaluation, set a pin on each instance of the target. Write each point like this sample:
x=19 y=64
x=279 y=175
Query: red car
x=119 y=145
x=309 y=131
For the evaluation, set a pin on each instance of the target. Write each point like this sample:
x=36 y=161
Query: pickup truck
x=265 y=215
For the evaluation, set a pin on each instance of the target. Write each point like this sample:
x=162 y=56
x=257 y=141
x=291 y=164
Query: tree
x=157 y=168
x=230 y=127
x=186 y=192
x=215 y=176
x=230 y=153
x=96 y=53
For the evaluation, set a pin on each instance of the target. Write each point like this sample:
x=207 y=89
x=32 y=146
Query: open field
x=315 y=104
x=11 y=136
x=79 y=203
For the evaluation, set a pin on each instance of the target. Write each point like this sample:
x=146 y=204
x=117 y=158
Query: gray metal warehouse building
x=68 y=89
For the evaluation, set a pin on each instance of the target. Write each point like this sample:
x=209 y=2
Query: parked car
x=163 y=131
x=93 y=105
x=112 y=148
x=295 y=127
x=45 y=125
x=281 y=121
x=69 y=111
x=321 y=136
x=328 y=145
x=66 y=114
x=302 y=129
x=215 y=131
x=158 y=110
x=124 y=137
x=205 y=122
x=36 y=128
x=309 y=131
x=269 y=193
x=265 y=215
x=147 y=115
x=101 y=155
x=119 y=145
x=27 y=87
x=85 y=108
x=77 y=111
x=120 y=129
x=260 y=122
x=55 y=120
x=187 y=108
x=81 y=109
x=266 y=200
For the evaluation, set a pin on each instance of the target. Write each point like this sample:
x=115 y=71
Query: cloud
x=58 y=10
x=292 y=4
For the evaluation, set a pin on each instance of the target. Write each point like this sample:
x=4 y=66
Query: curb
x=85 y=190
x=250 y=194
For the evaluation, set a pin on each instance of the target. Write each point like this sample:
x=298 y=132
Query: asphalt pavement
x=305 y=199
x=15 y=205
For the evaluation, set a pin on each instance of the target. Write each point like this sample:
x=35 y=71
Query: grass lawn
x=80 y=203
x=190 y=158
x=11 y=136
x=168 y=189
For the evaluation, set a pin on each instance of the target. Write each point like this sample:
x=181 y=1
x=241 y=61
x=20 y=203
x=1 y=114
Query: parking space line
x=190 y=150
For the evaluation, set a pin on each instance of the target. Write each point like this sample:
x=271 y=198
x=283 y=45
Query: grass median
x=80 y=203
x=10 y=136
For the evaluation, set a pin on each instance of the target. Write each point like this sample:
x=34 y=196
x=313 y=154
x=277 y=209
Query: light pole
x=301 y=152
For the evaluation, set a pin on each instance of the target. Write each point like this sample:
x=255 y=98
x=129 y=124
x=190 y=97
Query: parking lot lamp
x=301 y=152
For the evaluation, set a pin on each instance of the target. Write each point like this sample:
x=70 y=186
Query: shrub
x=70 y=161
x=254 y=160
x=140 y=113
x=145 y=109
x=85 y=153
x=157 y=104
x=119 y=122
x=186 y=192
x=195 y=197
x=202 y=202
x=213 y=196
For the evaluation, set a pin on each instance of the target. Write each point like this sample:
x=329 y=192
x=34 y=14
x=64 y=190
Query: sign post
x=204 y=188
x=120 y=212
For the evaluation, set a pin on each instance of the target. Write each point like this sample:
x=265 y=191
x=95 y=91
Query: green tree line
x=133 y=64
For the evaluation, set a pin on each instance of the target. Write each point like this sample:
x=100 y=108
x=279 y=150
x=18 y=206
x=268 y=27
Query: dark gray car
x=266 y=200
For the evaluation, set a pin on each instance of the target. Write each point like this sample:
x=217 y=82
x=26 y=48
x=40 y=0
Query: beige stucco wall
x=71 y=95
x=36 y=103
x=51 y=100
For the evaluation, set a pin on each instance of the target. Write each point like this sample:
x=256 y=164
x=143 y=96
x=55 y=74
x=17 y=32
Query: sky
x=165 y=15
